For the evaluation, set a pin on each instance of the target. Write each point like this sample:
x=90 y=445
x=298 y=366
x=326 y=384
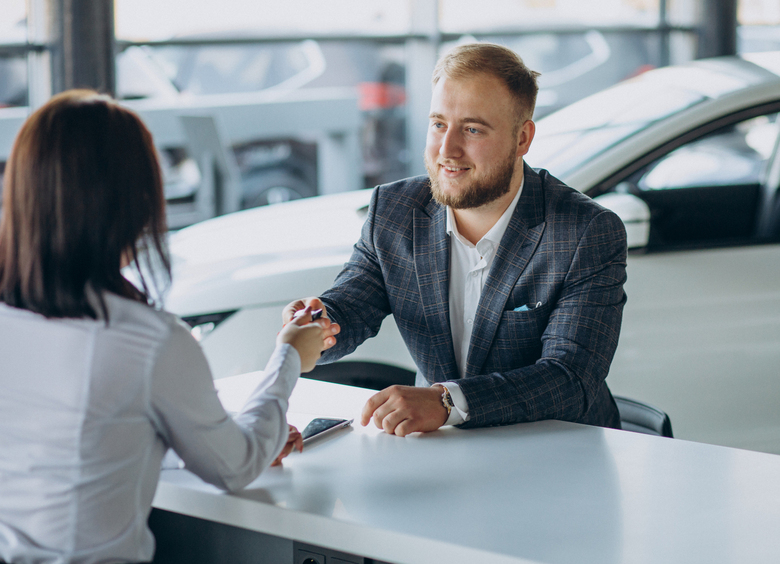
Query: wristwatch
x=446 y=399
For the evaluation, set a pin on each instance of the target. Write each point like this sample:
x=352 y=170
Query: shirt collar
x=496 y=232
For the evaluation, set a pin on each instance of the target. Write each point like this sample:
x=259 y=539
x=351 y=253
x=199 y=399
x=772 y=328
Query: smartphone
x=321 y=426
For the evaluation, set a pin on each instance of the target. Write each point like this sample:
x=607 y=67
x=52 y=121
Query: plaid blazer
x=561 y=249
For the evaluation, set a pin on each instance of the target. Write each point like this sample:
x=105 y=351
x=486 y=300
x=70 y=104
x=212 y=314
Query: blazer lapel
x=432 y=262
x=517 y=246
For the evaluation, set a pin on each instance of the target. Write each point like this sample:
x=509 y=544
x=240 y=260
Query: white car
x=688 y=156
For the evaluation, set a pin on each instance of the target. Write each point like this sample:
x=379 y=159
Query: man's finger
x=332 y=329
x=380 y=414
x=371 y=406
x=289 y=310
x=392 y=421
x=328 y=326
x=302 y=316
x=405 y=427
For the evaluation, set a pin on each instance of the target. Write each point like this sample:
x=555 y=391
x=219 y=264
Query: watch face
x=446 y=399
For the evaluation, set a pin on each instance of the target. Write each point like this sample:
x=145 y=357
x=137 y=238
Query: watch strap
x=446 y=398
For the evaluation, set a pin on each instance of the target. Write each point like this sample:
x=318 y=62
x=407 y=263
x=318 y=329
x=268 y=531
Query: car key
x=315 y=314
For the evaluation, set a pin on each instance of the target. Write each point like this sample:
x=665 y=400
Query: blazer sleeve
x=578 y=343
x=358 y=300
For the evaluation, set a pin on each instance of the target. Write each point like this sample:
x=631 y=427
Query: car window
x=736 y=155
x=568 y=138
x=709 y=192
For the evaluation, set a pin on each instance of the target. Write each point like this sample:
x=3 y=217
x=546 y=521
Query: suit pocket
x=524 y=326
x=518 y=339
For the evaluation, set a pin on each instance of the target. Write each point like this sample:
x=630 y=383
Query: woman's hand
x=331 y=329
x=294 y=440
x=308 y=339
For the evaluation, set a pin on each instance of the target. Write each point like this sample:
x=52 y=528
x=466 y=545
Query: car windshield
x=566 y=139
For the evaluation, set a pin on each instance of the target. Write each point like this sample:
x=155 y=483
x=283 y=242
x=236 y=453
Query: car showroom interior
x=389 y=281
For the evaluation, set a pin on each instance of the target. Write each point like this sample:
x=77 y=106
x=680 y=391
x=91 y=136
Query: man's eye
x=437 y=125
x=472 y=130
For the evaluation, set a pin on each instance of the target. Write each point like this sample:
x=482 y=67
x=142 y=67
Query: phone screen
x=322 y=425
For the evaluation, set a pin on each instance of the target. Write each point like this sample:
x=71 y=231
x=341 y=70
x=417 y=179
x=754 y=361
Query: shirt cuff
x=460 y=410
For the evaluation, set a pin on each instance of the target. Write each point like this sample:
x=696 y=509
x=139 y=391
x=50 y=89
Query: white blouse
x=87 y=412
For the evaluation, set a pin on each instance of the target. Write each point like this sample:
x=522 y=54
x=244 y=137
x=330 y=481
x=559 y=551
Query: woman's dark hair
x=83 y=193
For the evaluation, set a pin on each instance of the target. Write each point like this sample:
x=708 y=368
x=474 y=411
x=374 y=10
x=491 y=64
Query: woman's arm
x=224 y=451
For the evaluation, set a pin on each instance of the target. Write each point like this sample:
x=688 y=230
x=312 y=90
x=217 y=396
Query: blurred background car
x=227 y=65
x=277 y=170
x=272 y=169
x=576 y=65
x=688 y=156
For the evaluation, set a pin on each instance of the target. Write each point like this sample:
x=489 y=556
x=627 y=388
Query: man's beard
x=486 y=188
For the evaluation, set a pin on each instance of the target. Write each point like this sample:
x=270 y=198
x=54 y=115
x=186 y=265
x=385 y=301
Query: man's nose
x=451 y=144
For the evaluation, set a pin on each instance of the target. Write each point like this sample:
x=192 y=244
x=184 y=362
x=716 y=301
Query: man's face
x=474 y=147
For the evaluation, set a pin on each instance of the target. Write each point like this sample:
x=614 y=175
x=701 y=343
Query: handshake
x=398 y=410
x=307 y=328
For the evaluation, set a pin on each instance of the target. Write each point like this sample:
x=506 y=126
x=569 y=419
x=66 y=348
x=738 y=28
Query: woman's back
x=80 y=451
x=95 y=384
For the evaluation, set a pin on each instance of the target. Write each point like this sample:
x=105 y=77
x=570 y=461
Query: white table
x=549 y=492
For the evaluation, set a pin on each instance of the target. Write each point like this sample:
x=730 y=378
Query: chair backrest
x=641 y=417
x=372 y=375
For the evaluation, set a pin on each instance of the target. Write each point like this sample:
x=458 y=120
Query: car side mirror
x=634 y=213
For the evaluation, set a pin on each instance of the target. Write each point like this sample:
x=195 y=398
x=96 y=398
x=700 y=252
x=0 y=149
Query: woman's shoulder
x=127 y=318
x=133 y=316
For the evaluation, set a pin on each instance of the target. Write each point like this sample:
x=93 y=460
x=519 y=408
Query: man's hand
x=329 y=329
x=294 y=440
x=401 y=410
x=307 y=337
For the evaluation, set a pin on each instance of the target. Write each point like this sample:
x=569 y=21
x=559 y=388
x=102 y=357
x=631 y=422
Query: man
x=506 y=285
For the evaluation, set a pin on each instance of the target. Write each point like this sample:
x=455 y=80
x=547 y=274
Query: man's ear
x=524 y=137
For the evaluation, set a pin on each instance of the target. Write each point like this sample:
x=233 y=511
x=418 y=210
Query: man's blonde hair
x=466 y=61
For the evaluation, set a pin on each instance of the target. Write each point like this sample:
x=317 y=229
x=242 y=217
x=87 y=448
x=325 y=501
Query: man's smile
x=452 y=170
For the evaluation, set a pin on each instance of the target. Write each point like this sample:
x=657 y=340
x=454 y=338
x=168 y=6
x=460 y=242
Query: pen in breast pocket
x=528 y=307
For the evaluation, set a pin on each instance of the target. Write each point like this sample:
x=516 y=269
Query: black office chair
x=372 y=375
x=644 y=418
x=634 y=415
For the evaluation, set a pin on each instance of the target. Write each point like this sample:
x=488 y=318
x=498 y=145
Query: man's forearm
x=357 y=301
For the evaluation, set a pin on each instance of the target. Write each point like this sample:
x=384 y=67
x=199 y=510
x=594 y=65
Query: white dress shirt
x=87 y=412
x=469 y=268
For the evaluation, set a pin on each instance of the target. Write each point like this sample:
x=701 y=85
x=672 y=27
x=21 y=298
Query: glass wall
x=465 y=16
x=152 y=19
x=204 y=54
x=759 y=28
x=13 y=61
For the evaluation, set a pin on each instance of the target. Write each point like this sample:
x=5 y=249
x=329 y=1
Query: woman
x=95 y=383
